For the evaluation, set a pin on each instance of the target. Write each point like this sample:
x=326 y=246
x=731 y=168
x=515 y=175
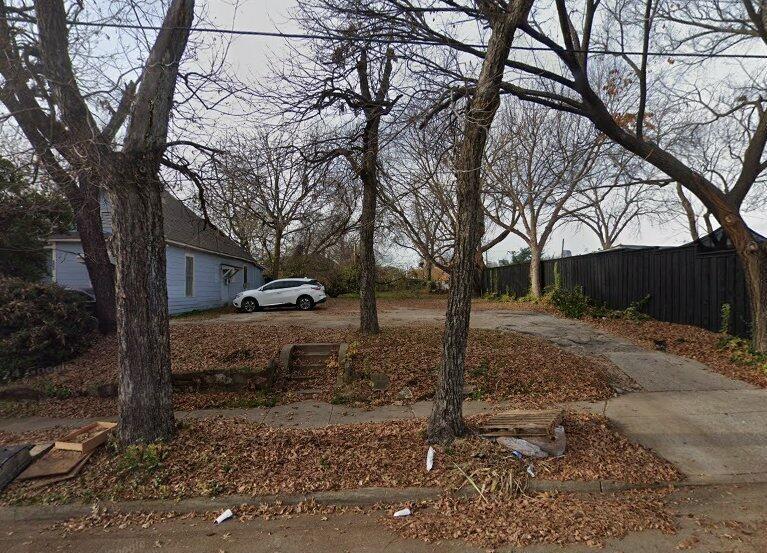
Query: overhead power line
x=381 y=40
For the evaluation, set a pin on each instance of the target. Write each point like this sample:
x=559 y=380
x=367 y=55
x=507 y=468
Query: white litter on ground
x=224 y=516
x=430 y=459
x=403 y=513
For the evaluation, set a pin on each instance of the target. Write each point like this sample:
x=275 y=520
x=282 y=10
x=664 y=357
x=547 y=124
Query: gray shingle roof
x=183 y=226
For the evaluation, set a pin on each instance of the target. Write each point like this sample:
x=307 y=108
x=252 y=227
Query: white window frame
x=186 y=276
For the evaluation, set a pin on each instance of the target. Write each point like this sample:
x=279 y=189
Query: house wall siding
x=209 y=290
x=71 y=271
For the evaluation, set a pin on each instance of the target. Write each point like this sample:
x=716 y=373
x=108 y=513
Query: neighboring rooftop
x=183 y=226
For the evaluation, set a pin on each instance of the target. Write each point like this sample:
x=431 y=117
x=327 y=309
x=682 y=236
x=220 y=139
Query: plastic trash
x=224 y=516
x=531 y=471
x=403 y=513
x=430 y=459
x=518 y=445
x=517 y=454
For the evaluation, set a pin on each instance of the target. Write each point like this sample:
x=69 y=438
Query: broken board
x=56 y=462
x=13 y=460
x=42 y=482
x=521 y=423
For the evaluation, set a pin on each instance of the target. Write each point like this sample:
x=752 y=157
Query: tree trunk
x=536 y=284
x=755 y=264
x=101 y=272
x=479 y=271
x=692 y=222
x=369 y=176
x=753 y=257
x=145 y=405
x=276 y=256
x=446 y=420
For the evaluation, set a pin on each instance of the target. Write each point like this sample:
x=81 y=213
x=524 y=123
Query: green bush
x=40 y=325
x=571 y=302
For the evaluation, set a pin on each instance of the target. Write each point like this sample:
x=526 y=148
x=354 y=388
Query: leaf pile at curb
x=542 y=518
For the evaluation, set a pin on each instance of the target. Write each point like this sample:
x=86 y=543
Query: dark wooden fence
x=686 y=285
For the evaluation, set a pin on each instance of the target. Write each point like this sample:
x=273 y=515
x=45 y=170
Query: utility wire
x=378 y=40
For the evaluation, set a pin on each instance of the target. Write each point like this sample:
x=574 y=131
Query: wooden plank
x=87 y=438
x=56 y=462
x=42 y=482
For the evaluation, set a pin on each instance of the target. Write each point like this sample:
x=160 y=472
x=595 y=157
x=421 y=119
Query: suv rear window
x=314 y=282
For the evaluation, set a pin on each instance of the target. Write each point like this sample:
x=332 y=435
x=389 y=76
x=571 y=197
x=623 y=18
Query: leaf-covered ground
x=226 y=456
x=500 y=366
x=553 y=518
x=687 y=341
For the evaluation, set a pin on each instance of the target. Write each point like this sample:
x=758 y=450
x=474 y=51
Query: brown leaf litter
x=527 y=370
x=231 y=456
x=554 y=518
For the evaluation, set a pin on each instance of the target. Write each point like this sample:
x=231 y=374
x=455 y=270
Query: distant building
x=205 y=268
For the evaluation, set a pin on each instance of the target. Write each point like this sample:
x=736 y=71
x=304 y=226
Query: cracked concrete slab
x=656 y=371
x=712 y=436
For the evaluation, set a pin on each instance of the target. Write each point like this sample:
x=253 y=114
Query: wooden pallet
x=521 y=423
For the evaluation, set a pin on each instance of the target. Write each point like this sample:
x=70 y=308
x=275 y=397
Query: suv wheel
x=249 y=305
x=305 y=303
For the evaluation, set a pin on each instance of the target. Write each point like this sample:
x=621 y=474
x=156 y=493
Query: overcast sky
x=248 y=56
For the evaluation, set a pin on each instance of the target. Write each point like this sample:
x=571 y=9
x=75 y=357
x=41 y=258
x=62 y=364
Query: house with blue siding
x=205 y=268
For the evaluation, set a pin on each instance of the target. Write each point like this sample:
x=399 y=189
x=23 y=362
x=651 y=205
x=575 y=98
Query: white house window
x=189 y=274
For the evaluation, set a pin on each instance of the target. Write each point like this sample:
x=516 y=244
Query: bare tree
x=269 y=193
x=351 y=77
x=617 y=198
x=420 y=192
x=537 y=162
x=581 y=25
x=73 y=146
x=23 y=90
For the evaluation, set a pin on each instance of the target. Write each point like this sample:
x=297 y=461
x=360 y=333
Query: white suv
x=304 y=293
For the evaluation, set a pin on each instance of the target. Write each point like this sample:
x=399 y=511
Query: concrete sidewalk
x=712 y=427
x=303 y=414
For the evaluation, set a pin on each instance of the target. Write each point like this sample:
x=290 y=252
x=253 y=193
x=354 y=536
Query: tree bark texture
x=369 y=177
x=536 y=282
x=446 y=420
x=753 y=257
x=101 y=271
x=145 y=404
x=276 y=256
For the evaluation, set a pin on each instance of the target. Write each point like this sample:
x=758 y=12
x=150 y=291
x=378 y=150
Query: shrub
x=571 y=302
x=40 y=325
x=726 y=314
